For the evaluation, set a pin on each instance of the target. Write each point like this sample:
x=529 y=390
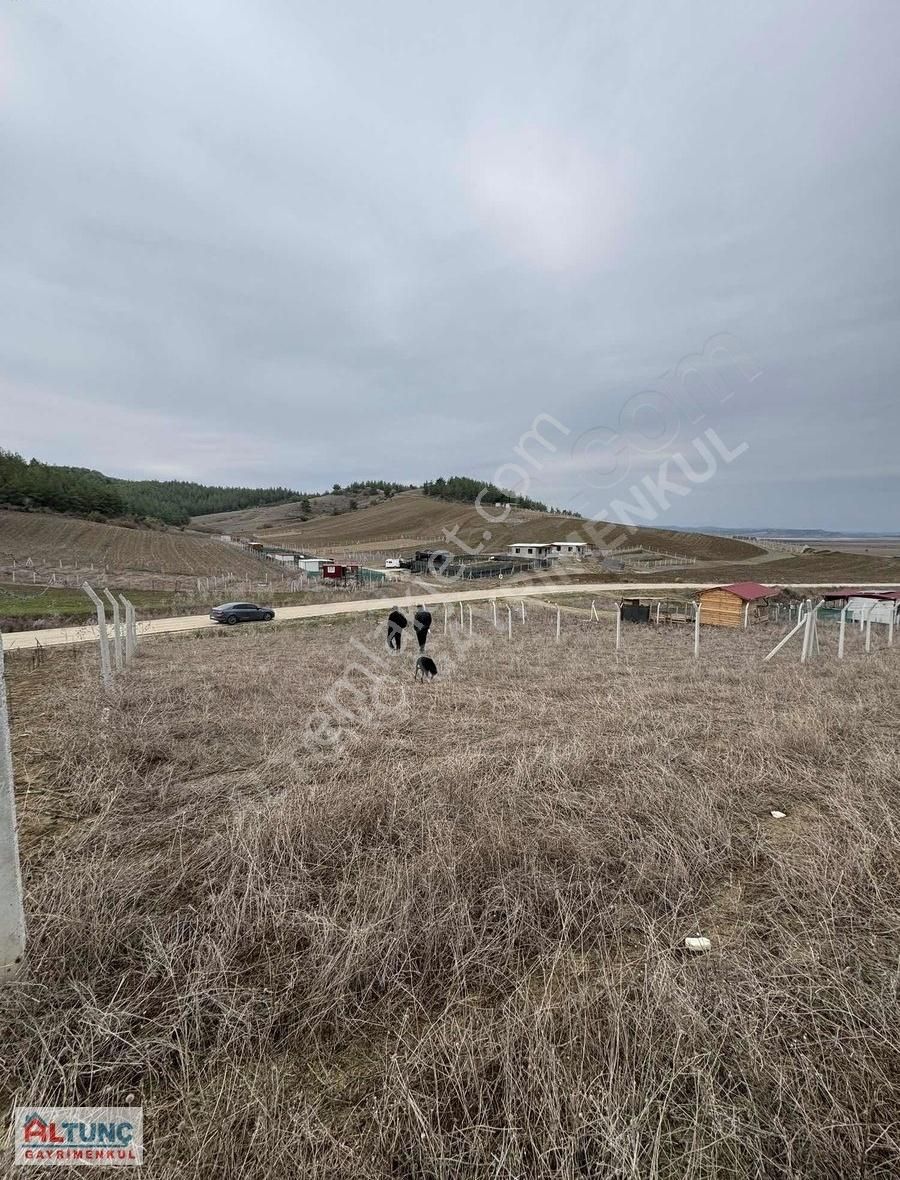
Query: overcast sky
x=279 y=242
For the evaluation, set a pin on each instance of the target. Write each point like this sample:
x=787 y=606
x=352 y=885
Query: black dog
x=426 y=667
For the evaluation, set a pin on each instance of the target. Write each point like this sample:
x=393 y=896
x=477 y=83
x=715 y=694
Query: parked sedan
x=241 y=612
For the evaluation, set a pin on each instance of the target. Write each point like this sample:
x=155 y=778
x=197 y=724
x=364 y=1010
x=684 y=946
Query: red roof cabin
x=730 y=606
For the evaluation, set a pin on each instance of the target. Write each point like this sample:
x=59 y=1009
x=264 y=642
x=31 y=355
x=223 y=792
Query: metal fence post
x=12 y=912
x=105 y=671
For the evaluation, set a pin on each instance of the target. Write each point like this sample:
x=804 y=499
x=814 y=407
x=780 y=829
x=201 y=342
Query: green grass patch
x=22 y=607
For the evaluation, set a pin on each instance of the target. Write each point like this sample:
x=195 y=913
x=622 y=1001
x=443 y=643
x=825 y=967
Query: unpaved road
x=52 y=637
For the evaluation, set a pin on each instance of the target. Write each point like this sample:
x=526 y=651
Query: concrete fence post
x=696 y=630
x=117 y=628
x=780 y=644
x=841 y=629
x=105 y=670
x=129 y=637
x=811 y=631
x=12 y=911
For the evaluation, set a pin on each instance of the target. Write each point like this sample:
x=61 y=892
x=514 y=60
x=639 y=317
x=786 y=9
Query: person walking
x=396 y=623
x=421 y=625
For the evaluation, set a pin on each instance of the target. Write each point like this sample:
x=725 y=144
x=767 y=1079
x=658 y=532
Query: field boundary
x=67 y=636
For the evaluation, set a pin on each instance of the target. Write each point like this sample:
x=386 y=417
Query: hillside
x=411 y=519
x=292 y=514
x=46 y=540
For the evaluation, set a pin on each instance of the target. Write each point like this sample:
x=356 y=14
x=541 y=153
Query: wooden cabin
x=725 y=606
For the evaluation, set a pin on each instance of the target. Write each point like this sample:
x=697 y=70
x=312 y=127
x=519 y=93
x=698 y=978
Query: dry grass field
x=452 y=945
x=411 y=519
x=46 y=539
x=847 y=568
x=874 y=546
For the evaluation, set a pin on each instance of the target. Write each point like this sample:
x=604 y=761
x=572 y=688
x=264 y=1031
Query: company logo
x=111 y=1136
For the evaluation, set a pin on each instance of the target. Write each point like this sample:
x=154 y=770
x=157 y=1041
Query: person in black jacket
x=396 y=623
x=421 y=624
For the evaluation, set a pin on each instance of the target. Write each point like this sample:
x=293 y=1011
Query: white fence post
x=841 y=633
x=12 y=912
x=460 y=616
x=807 y=634
x=509 y=621
x=134 y=630
x=117 y=628
x=105 y=671
x=129 y=628
x=746 y=614
x=594 y=616
x=811 y=633
x=696 y=630
x=618 y=625
x=494 y=605
x=869 y=625
x=470 y=622
x=445 y=618
x=523 y=610
x=780 y=644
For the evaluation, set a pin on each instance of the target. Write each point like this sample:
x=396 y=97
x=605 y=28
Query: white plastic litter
x=777 y=815
x=698 y=944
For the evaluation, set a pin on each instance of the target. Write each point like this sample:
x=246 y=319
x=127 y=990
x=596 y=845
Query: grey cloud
x=300 y=243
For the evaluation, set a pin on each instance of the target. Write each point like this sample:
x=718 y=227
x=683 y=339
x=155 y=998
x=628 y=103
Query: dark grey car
x=241 y=612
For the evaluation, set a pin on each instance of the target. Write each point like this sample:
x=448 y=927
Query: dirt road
x=15 y=640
